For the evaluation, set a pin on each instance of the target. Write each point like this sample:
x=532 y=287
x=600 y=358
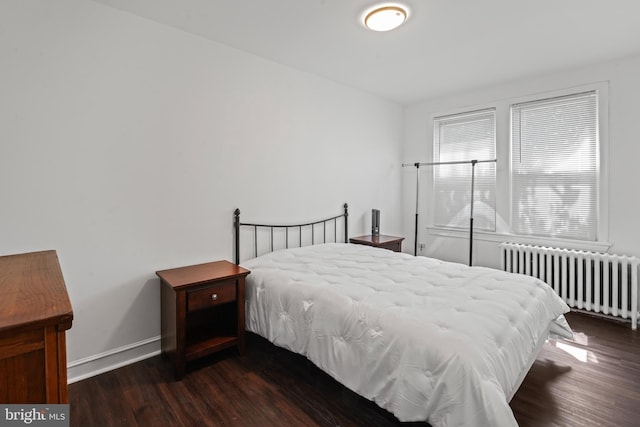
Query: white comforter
x=423 y=338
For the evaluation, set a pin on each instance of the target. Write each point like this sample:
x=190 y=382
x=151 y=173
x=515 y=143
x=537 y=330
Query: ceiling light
x=385 y=18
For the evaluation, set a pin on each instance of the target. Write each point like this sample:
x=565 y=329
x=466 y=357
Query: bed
x=425 y=339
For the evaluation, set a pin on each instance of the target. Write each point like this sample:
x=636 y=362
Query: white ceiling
x=446 y=46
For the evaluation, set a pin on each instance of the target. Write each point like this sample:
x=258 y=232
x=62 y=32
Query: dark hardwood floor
x=593 y=381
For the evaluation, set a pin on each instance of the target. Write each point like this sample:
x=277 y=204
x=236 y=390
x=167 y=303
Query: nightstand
x=202 y=311
x=392 y=243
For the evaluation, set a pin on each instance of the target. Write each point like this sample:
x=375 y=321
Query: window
x=554 y=167
x=465 y=137
x=549 y=186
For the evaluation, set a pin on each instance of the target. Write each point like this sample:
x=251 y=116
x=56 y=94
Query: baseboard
x=113 y=359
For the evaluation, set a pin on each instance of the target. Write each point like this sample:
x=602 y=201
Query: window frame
x=504 y=172
x=436 y=156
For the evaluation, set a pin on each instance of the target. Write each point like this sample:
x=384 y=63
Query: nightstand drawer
x=209 y=297
x=392 y=246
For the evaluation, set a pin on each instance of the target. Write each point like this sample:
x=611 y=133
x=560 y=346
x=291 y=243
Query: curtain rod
x=459 y=162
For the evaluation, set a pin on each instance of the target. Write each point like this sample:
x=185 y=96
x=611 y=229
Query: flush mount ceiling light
x=385 y=17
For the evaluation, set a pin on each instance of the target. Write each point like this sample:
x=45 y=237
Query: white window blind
x=555 y=167
x=465 y=137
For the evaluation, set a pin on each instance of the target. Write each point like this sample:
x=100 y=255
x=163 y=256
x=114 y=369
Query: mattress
x=425 y=339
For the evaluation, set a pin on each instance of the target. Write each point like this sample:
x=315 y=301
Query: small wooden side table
x=202 y=311
x=392 y=243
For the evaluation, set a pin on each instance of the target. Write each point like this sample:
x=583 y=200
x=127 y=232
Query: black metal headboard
x=310 y=226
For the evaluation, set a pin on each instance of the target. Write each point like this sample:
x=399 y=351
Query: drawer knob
x=214 y=297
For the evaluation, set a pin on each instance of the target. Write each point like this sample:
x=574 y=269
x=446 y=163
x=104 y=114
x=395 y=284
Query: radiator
x=600 y=283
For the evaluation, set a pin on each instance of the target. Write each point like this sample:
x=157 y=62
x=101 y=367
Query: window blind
x=555 y=167
x=465 y=137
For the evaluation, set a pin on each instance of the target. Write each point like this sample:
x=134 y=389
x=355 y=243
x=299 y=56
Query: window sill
x=527 y=240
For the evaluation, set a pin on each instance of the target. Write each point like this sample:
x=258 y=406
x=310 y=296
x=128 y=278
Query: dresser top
x=32 y=291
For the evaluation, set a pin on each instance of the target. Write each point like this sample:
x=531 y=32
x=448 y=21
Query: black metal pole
x=346 y=223
x=456 y=162
x=415 y=238
x=473 y=168
x=236 y=224
x=415 y=227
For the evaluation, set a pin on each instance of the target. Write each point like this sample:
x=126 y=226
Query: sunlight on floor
x=575 y=349
x=580 y=338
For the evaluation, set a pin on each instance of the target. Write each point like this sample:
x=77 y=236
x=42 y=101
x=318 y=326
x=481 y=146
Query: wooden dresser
x=35 y=312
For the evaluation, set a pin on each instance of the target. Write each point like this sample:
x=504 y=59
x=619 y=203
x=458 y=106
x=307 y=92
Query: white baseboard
x=113 y=359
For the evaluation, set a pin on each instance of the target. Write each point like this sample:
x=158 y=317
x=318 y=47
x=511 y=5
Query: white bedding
x=424 y=339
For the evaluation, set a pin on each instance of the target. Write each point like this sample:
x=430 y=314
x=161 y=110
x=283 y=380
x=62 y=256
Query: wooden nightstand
x=392 y=243
x=202 y=311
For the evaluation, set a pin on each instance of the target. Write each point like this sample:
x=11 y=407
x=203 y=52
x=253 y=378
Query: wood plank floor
x=593 y=381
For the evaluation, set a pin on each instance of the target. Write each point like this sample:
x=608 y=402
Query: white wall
x=126 y=145
x=624 y=152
